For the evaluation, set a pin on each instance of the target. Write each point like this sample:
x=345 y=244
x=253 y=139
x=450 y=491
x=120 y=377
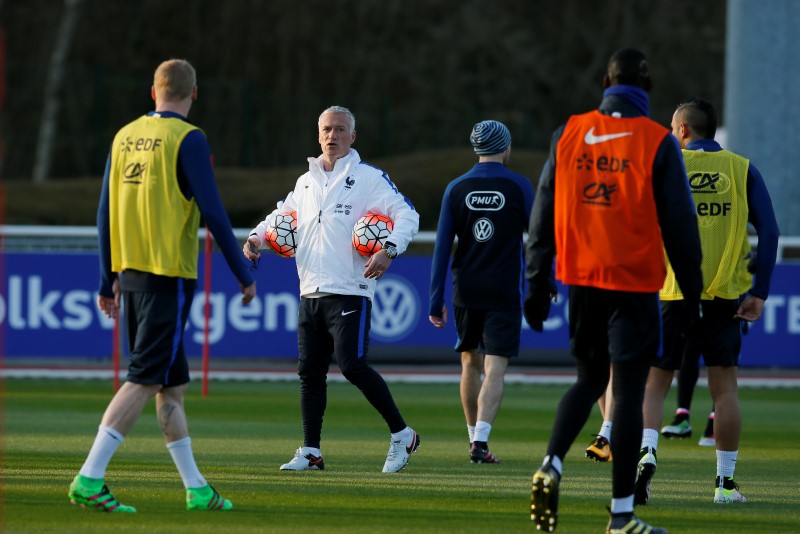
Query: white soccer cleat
x=399 y=452
x=303 y=460
x=644 y=476
x=723 y=496
x=728 y=495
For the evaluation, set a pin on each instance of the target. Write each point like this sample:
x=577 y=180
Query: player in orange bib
x=612 y=197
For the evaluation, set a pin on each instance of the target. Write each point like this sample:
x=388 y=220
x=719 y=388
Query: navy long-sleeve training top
x=488 y=209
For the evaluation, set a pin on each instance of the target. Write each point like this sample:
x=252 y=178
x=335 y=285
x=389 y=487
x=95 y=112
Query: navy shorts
x=494 y=332
x=620 y=326
x=718 y=338
x=156 y=323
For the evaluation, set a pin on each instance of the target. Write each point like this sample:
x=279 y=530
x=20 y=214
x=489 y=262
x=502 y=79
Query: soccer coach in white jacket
x=336 y=285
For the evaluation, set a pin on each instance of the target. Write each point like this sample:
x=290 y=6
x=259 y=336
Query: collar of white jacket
x=315 y=164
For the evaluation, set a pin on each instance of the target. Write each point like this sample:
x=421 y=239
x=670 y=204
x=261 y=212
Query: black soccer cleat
x=544 y=498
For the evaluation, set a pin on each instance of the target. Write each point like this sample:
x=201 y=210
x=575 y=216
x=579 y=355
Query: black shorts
x=673 y=326
x=620 y=326
x=494 y=332
x=718 y=338
x=156 y=323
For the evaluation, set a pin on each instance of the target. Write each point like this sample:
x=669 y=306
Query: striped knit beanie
x=490 y=137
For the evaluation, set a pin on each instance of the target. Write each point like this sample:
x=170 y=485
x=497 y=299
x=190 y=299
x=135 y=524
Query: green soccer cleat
x=679 y=428
x=93 y=493
x=206 y=498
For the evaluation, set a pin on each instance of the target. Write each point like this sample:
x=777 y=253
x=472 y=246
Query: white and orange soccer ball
x=281 y=234
x=370 y=232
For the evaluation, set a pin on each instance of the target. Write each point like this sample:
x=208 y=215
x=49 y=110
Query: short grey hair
x=343 y=111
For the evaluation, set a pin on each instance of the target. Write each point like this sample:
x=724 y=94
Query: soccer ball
x=370 y=232
x=281 y=234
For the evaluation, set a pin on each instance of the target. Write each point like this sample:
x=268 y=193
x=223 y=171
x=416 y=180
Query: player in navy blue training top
x=488 y=209
x=157 y=184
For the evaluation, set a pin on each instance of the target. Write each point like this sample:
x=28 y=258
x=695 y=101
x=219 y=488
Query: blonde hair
x=174 y=80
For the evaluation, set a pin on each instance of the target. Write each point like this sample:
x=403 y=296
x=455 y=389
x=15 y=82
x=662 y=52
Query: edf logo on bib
x=395 y=309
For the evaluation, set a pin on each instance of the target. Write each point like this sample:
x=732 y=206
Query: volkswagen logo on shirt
x=485 y=200
x=395 y=309
x=482 y=230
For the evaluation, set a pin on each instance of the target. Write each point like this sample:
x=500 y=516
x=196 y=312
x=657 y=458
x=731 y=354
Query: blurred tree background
x=416 y=73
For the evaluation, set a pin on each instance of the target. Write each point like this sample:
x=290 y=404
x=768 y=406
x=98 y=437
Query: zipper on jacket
x=319 y=257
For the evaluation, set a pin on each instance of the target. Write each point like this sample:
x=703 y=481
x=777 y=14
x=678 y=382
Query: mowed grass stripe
x=243 y=431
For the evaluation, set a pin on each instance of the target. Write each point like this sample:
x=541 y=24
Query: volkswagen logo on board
x=395 y=309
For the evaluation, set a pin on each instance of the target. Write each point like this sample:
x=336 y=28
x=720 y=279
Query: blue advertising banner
x=48 y=309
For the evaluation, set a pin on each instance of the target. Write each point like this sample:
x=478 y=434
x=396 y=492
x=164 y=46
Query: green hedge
x=248 y=194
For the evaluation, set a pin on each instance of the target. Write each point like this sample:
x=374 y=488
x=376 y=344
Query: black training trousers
x=337 y=325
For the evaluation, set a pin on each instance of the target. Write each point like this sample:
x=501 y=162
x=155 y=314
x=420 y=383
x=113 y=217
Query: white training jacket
x=328 y=206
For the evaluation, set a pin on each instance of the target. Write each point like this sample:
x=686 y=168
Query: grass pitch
x=242 y=433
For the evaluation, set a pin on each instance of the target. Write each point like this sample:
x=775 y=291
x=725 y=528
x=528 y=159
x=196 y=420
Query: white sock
x=555 y=460
x=622 y=506
x=181 y=451
x=605 y=431
x=404 y=435
x=726 y=463
x=482 y=431
x=471 y=432
x=650 y=438
x=103 y=448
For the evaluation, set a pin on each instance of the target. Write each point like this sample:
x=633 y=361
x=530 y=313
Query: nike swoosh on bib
x=348 y=312
x=592 y=139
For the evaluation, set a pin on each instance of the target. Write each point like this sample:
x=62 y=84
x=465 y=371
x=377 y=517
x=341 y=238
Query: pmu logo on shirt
x=485 y=200
x=599 y=193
